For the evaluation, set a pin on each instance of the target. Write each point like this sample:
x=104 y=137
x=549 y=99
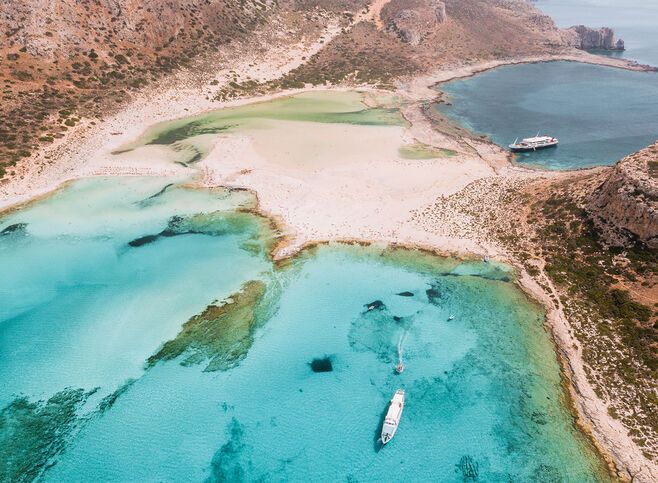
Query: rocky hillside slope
x=625 y=206
x=416 y=36
x=66 y=60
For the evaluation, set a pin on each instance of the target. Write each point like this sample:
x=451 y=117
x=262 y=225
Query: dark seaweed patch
x=225 y=464
x=440 y=291
x=108 y=401
x=144 y=240
x=469 y=468
x=323 y=364
x=546 y=474
x=16 y=228
x=161 y=192
x=196 y=158
x=433 y=294
x=195 y=128
x=377 y=330
x=406 y=294
x=148 y=201
x=33 y=433
x=212 y=224
x=188 y=130
x=376 y=305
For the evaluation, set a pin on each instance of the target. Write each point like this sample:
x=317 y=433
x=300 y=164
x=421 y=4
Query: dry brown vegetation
x=65 y=61
x=475 y=31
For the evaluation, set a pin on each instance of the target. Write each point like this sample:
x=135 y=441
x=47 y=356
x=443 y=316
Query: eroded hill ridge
x=625 y=206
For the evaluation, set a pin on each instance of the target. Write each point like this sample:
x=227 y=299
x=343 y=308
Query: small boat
x=392 y=419
x=451 y=317
x=399 y=368
x=533 y=144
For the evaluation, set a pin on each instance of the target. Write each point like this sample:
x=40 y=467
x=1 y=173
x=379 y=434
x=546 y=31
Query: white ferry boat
x=533 y=144
x=392 y=419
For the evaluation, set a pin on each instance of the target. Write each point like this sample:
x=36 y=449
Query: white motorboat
x=533 y=144
x=392 y=419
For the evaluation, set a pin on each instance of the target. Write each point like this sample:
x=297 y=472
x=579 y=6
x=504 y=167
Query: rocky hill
x=415 y=36
x=63 y=62
x=625 y=206
x=66 y=60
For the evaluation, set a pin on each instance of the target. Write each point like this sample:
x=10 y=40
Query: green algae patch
x=420 y=150
x=33 y=433
x=108 y=401
x=222 y=334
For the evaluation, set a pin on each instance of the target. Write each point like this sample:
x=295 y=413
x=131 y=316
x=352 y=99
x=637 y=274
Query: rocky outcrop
x=417 y=20
x=625 y=206
x=586 y=38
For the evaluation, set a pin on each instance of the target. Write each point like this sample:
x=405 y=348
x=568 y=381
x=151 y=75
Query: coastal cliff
x=625 y=206
x=586 y=38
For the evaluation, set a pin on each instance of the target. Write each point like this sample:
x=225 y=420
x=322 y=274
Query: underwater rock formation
x=226 y=461
x=221 y=334
x=377 y=331
x=376 y=305
x=148 y=201
x=108 y=401
x=143 y=240
x=321 y=365
x=218 y=223
x=468 y=468
x=33 y=433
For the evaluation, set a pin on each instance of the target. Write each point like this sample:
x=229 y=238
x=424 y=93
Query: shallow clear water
x=599 y=114
x=84 y=309
x=635 y=21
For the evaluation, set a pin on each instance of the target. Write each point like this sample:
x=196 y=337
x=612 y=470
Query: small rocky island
x=586 y=38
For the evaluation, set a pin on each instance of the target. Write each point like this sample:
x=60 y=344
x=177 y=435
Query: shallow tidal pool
x=147 y=336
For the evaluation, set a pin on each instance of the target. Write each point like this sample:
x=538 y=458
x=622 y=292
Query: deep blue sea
x=97 y=277
x=635 y=21
x=599 y=114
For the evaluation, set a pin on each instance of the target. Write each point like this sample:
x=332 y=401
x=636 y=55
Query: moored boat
x=533 y=144
x=393 y=415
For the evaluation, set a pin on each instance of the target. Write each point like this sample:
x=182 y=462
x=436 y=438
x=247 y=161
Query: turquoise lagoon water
x=635 y=21
x=101 y=274
x=599 y=114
